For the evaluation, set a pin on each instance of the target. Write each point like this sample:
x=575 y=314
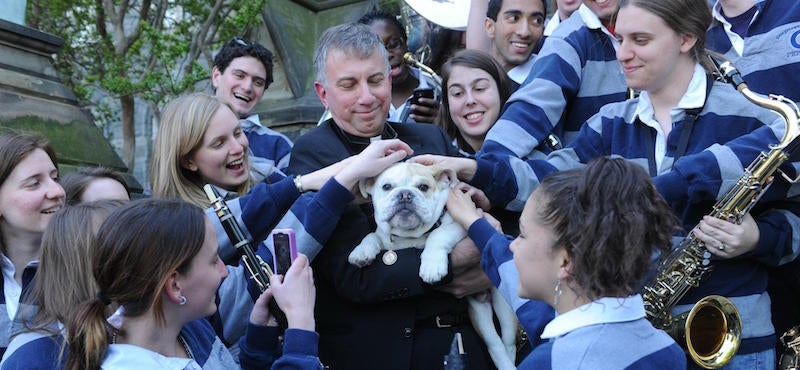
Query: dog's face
x=408 y=197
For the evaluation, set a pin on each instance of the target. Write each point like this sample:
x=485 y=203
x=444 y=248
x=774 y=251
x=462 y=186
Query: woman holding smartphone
x=158 y=260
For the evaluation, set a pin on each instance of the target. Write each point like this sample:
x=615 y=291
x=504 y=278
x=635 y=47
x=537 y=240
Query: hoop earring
x=557 y=293
x=183 y=301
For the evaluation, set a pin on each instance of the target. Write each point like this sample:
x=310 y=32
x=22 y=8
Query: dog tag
x=389 y=258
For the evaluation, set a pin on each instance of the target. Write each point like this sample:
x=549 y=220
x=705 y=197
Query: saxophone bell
x=711 y=331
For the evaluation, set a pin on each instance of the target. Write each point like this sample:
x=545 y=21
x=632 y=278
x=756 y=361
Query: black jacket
x=379 y=316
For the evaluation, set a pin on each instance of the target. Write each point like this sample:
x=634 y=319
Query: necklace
x=180 y=339
x=185 y=347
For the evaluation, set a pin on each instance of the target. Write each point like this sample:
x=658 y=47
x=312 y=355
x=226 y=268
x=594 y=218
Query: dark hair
x=14 y=148
x=375 y=15
x=75 y=183
x=495 y=5
x=609 y=217
x=136 y=248
x=472 y=59
x=682 y=16
x=237 y=48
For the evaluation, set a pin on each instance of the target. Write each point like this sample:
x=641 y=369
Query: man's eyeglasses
x=394 y=43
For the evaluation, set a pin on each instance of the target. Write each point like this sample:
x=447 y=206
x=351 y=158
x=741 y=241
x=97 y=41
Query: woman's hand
x=477 y=195
x=465 y=167
x=462 y=208
x=260 y=314
x=372 y=160
x=727 y=239
x=295 y=293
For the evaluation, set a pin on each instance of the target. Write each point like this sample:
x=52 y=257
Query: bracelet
x=299 y=184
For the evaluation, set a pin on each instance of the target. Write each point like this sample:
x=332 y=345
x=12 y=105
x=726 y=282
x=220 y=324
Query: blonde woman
x=200 y=141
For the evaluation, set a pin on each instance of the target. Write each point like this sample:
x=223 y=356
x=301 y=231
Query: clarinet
x=258 y=270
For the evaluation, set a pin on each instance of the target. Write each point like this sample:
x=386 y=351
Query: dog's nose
x=405 y=196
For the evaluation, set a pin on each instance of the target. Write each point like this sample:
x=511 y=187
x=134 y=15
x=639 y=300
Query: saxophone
x=711 y=330
x=790 y=359
x=408 y=58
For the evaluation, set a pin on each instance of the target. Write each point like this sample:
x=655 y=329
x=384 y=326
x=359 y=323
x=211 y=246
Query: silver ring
x=722 y=246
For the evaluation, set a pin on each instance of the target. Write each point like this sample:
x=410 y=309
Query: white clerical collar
x=602 y=311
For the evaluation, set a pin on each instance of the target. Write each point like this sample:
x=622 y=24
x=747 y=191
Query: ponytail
x=87 y=336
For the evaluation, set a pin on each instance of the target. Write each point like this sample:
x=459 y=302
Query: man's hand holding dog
x=468 y=276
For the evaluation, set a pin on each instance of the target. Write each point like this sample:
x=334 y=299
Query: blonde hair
x=184 y=122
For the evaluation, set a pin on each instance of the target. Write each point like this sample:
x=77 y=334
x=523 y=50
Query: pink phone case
x=285 y=250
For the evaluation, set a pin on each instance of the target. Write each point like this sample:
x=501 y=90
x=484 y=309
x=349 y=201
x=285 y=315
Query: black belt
x=446 y=320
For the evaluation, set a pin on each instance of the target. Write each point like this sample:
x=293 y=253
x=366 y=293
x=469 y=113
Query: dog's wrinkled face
x=409 y=197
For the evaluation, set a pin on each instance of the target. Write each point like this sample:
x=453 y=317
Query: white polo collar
x=250 y=121
x=602 y=311
x=694 y=97
x=593 y=22
x=519 y=73
x=736 y=41
x=128 y=356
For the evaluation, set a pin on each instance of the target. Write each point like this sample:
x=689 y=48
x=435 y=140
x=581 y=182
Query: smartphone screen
x=285 y=250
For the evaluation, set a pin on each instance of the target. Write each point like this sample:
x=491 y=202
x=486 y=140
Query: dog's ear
x=446 y=177
x=365 y=186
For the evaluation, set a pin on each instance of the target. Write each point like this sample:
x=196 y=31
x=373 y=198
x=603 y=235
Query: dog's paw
x=364 y=254
x=433 y=265
x=361 y=257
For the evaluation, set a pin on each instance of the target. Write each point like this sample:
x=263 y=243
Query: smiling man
x=383 y=315
x=242 y=72
x=515 y=28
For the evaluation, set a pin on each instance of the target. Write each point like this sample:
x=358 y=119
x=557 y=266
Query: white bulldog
x=409 y=201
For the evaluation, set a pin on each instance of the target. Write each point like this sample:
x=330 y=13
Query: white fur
x=404 y=214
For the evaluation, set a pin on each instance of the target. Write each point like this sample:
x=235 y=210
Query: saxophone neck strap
x=683 y=141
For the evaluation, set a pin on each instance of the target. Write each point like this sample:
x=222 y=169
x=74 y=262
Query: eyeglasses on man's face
x=394 y=43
